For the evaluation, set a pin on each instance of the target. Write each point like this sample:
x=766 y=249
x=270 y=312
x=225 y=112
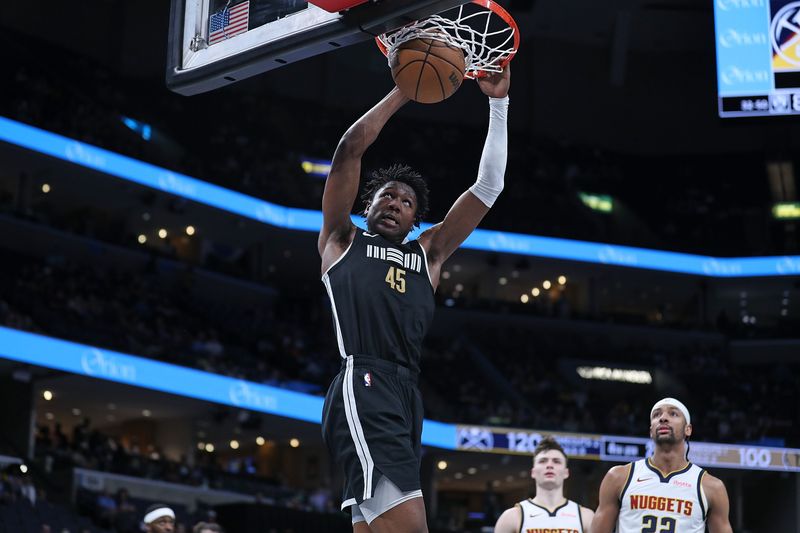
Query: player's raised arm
x=605 y=518
x=718 y=505
x=341 y=187
x=444 y=238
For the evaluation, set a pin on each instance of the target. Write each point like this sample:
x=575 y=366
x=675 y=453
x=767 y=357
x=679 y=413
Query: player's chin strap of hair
x=492 y=168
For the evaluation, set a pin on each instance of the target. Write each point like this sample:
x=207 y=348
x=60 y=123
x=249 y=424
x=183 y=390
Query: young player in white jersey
x=549 y=511
x=664 y=493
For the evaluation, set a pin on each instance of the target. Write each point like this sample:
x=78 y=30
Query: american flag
x=229 y=22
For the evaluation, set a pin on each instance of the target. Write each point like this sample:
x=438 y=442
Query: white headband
x=676 y=403
x=161 y=512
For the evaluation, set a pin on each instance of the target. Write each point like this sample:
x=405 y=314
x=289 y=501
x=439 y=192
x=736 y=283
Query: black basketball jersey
x=382 y=299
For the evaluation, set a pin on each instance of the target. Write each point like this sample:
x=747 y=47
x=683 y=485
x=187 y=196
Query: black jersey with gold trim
x=382 y=299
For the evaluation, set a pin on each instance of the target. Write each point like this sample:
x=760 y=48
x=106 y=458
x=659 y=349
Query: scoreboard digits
x=624 y=449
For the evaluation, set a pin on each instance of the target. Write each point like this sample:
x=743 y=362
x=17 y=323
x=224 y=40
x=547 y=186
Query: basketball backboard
x=213 y=43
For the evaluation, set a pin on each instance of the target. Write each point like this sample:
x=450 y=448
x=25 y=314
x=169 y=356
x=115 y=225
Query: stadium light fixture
x=602 y=203
x=623 y=375
x=319 y=168
x=786 y=210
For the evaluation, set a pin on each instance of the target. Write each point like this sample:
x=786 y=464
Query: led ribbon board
x=625 y=449
x=309 y=220
x=149 y=374
x=136 y=371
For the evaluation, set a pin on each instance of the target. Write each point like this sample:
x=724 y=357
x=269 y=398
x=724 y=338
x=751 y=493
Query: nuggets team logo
x=785 y=35
x=475 y=438
x=368 y=380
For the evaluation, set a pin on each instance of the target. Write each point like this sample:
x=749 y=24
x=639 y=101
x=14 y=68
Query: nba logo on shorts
x=368 y=380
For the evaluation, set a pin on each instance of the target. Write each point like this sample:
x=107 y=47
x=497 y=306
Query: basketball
x=427 y=70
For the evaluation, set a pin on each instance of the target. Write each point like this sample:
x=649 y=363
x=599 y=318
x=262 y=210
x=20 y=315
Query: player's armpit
x=605 y=518
x=509 y=521
x=718 y=505
x=444 y=238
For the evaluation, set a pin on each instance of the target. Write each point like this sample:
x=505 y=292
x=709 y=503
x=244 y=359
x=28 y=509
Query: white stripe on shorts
x=356 y=431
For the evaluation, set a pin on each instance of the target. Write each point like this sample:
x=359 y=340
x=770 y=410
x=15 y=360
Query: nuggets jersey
x=652 y=502
x=382 y=299
x=538 y=519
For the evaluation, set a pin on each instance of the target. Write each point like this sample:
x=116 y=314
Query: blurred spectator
x=206 y=527
x=159 y=518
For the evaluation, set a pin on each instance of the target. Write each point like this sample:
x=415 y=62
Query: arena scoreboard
x=758 y=57
x=624 y=449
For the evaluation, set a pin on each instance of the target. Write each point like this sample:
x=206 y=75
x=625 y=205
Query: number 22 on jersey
x=395 y=277
x=650 y=523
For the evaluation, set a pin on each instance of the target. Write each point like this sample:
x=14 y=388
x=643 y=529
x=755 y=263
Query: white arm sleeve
x=492 y=168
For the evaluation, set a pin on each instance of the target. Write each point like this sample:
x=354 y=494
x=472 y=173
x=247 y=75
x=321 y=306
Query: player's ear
x=688 y=430
x=566 y=473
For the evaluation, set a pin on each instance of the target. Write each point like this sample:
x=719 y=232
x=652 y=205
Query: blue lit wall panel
x=309 y=220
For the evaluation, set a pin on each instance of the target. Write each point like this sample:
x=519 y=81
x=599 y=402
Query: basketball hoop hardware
x=198 y=43
x=485 y=31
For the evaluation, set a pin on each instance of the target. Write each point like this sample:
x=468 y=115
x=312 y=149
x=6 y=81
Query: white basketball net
x=484 y=47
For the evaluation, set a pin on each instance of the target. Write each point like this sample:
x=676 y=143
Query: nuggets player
x=549 y=511
x=664 y=493
x=381 y=288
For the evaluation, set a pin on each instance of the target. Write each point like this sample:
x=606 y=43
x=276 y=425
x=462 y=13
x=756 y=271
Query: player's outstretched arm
x=509 y=521
x=718 y=505
x=444 y=238
x=605 y=518
x=341 y=187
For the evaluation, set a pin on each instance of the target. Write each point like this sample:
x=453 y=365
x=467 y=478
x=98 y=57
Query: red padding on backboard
x=334 y=6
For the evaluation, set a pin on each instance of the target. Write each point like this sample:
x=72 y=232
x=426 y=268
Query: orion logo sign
x=243 y=395
x=98 y=364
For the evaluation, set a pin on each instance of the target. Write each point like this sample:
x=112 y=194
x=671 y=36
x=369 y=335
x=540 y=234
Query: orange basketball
x=427 y=70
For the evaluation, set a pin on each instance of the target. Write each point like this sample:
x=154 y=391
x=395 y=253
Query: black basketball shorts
x=372 y=426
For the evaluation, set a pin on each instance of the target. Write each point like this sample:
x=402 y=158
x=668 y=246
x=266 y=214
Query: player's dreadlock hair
x=548 y=443
x=404 y=174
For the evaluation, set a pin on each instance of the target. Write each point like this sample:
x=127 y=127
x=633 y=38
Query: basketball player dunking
x=381 y=289
x=549 y=510
x=665 y=492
